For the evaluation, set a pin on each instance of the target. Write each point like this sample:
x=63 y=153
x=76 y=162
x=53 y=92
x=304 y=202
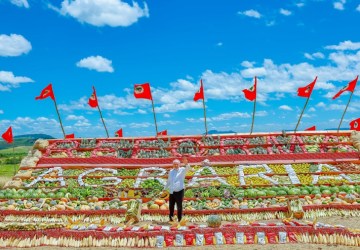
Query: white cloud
x=250 y=13
x=8 y=80
x=1 y=112
x=141 y=111
x=285 y=12
x=140 y=125
x=97 y=63
x=14 y=45
x=20 y=3
x=219 y=44
x=247 y=64
x=261 y=113
x=76 y=118
x=321 y=105
x=285 y=107
x=358 y=8
x=271 y=23
x=346 y=45
x=9 y=77
x=99 y=13
x=339 y=5
x=312 y=109
x=317 y=55
x=299 y=5
x=166 y=116
x=228 y=116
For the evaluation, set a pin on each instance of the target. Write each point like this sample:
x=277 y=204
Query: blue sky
x=114 y=44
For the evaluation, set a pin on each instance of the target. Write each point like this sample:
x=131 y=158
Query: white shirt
x=175 y=182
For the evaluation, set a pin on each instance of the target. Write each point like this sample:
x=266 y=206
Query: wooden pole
x=156 y=127
x=102 y=119
x=253 y=117
x=14 y=160
x=345 y=111
x=302 y=112
x=57 y=111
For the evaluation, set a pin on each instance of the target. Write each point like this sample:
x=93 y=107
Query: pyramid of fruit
x=84 y=188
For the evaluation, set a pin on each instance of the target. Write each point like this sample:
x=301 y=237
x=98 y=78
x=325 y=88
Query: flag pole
x=345 y=111
x=253 y=117
x=13 y=149
x=57 y=111
x=302 y=112
x=102 y=119
x=203 y=101
x=156 y=127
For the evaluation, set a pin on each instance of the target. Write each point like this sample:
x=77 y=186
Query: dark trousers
x=176 y=197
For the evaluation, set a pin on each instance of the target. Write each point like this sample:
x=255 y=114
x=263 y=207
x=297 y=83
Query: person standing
x=175 y=185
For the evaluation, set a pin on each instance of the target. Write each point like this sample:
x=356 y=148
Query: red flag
x=355 y=124
x=311 y=128
x=307 y=90
x=8 y=135
x=119 y=133
x=46 y=92
x=349 y=87
x=200 y=94
x=250 y=94
x=142 y=91
x=162 y=133
x=93 y=102
x=70 y=136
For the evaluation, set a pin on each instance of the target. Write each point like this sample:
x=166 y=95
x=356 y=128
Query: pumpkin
x=214 y=221
x=159 y=202
x=164 y=195
x=164 y=207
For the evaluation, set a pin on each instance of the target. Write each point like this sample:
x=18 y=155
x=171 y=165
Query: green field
x=10 y=159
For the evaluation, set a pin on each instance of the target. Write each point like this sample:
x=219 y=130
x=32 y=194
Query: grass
x=7 y=170
x=19 y=150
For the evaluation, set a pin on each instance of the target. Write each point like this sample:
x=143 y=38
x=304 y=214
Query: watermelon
x=294 y=191
x=59 y=195
x=251 y=193
x=326 y=191
x=304 y=191
x=51 y=195
x=63 y=190
x=281 y=192
x=271 y=193
x=334 y=190
x=315 y=191
x=260 y=193
x=322 y=187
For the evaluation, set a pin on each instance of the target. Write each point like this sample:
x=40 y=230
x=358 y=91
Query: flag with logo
x=311 y=128
x=93 y=102
x=250 y=93
x=8 y=135
x=349 y=87
x=46 y=92
x=355 y=124
x=119 y=133
x=142 y=91
x=164 y=132
x=200 y=94
x=70 y=136
x=307 y=90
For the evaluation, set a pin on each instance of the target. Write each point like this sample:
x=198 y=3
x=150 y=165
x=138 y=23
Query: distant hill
x=24 y=140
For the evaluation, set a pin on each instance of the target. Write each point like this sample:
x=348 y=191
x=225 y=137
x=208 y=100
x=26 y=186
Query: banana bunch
x=278 y=168
x=331 y=239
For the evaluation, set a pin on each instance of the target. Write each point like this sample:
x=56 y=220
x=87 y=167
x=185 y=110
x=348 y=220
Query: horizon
x=75 y=45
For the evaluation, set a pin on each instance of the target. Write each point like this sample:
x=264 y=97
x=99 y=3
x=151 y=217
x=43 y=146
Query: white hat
x=176 y=161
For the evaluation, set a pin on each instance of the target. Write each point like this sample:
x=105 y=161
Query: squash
x=214 y=220
x=164 y=207
x=164 y=195
x=154 y=206
x=159 y=202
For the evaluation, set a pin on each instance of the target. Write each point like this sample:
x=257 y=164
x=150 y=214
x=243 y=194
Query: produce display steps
x=159 y=238
x=275 y=158
x=97 y=216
